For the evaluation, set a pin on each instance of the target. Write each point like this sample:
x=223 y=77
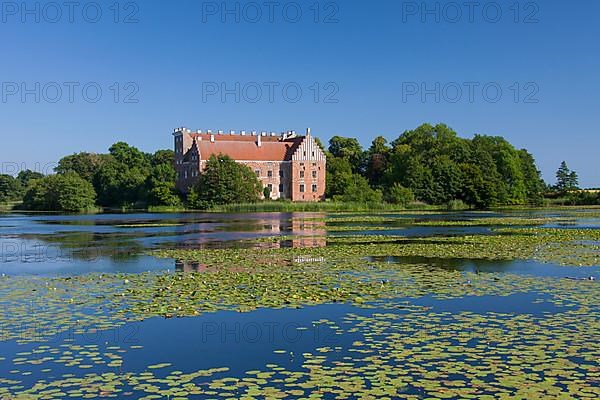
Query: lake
x=301 y=305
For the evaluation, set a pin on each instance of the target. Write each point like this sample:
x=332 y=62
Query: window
x=281 y=173
x=281 y=188
x=301 y=174
x=257 y=172
x=270 y=188
x=301 y=188
x=314 y=164
x=270 y=174
x=313 y=154
x=314 y=174
x=314 y=188
x=185 y=174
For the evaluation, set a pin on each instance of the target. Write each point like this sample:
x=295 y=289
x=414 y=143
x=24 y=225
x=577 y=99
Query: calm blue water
x=58 y=245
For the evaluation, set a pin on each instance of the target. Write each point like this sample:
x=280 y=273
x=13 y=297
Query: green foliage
x=398 y=194
x=126 y=176
x=86 y=165
x=26 y=176
x=483 y=172
x=122 y=177
x=224 y=181
x=67 y=192
x=120 y=184
x=578 y=198
x=339 y=176
x=163 y=194
x=438 y=167
x=349 y=149
x=10 y=188
x=377 y=161
x=566 y=179
x=266 y=192
x=289 y=206
x=456 y=205
x=161 y=181
x=359 y=191
x=534 y=185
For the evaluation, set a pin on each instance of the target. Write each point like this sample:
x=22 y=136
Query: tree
x=377 y=161
x=566 y=179
x=534 y=184
x=398 y=194
x=68 y=192
x=86 y=165
x=349 y=149
x=439 y=166
x=10 y=188
x=359 y=191
x=339 y=176
x=162 y=194
x=118 y=184
x=26 y=176
x=224 y=181
x=267 y=193
x=161 y=182
x=573 y=180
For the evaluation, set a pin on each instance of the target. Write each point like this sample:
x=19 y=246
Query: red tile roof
x=245 y=148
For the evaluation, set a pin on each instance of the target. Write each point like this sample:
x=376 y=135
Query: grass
x=288 y=206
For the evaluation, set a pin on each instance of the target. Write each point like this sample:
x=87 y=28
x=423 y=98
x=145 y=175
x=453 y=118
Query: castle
x=291 y=166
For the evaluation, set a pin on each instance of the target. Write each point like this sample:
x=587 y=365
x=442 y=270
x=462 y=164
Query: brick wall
x=300 y=179
x=308 y=180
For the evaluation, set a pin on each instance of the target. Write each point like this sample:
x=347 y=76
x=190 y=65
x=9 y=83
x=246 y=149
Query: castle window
x=313 y=153
x=301 y=174
x=270 y=174
x=281 y=188
x=281 y=173
x=185 y=174
x=314 y=188
x=314 y=174
x=257 y=172
x=301 y=188
x=314 y=164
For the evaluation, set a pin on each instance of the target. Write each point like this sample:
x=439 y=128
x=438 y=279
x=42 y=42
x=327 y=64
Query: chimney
x=307 y=131
x=212 y=138
x=259 y=141
x=243 y=133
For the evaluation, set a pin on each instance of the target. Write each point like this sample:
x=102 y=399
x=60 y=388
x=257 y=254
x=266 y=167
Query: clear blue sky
x=368 y=56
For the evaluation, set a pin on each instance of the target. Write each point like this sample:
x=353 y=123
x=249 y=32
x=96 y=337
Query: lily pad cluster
x=543 y=244
x=414 y=355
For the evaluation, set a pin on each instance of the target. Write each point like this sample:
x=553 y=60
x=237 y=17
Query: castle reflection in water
x=296 y=232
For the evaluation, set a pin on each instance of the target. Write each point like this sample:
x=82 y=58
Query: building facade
x=292 y=166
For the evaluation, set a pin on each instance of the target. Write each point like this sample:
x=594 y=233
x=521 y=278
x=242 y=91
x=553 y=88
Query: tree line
x=430 y=164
